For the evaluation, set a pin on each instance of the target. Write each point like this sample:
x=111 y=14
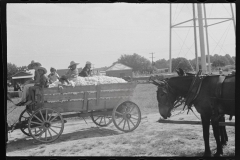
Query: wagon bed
x=104 y=103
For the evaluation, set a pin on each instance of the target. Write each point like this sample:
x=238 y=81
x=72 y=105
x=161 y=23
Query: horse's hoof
x=207 y=154
x=218 y=154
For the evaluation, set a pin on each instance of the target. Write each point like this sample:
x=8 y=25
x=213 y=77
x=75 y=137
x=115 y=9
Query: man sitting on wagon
x=27 y=84
x=71 y=74
x=86 y=72
x=43 y=83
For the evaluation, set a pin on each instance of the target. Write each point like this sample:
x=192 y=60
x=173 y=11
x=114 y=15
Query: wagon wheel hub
x=128 y=116
x=47 y=124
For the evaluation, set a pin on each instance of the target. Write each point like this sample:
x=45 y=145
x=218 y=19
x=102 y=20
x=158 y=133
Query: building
x=61 y=72
x=20 y=78
x=119 y=70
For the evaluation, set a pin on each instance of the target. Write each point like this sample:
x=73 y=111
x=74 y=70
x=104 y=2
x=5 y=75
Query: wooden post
x=195 y=38
x=170 y=41
x=205 y=15
x=201 y=36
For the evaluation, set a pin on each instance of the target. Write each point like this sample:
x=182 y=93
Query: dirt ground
x=149 y=139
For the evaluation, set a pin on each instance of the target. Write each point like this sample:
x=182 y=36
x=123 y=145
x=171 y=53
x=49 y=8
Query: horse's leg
x=223 y=132
x=205 y=125
x=215 y=126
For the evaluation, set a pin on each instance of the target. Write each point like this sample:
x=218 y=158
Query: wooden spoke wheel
x=45 y=125
x=101 y=120
x=127 y=116
x=23 y=120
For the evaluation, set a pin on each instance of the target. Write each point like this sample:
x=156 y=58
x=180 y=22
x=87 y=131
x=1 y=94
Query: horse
x=169 y=91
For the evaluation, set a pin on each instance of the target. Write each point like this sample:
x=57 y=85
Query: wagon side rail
x=84 y=98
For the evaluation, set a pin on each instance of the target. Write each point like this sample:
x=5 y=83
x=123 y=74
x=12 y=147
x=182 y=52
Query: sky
x=56 y=34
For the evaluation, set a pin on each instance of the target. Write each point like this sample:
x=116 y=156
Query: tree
x=230 y=59
x=22 y=68
x=135 y=61
x=11 y=70
x=218 y=63
x=182 y=63
x=161 y=63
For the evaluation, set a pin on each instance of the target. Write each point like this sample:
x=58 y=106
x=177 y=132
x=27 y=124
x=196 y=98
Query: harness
x=194 y=89
x=218 y=96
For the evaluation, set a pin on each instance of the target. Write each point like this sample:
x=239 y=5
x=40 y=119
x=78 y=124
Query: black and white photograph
x=120 y=79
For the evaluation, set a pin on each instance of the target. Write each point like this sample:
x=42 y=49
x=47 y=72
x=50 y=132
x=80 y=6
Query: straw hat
x=42 y=68
x=72 y=63
x=52 y=69
x=30 y=66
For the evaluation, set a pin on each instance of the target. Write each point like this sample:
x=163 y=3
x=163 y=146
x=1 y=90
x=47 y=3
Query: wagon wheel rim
x=45 y=125
x=23 y=120
x=101 y=120
x=126 y=116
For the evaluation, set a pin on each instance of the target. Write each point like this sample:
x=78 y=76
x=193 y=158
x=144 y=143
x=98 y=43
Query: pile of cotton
x=84 y=81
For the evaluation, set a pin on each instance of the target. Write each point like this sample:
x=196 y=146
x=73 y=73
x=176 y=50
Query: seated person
x=72 y=73
x=27 y=84
x=43 y=83
x=53 y=76
x=86 y=72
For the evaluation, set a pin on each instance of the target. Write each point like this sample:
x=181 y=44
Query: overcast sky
x=55 y=34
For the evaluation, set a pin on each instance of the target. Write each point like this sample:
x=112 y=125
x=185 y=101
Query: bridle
x=164 y=85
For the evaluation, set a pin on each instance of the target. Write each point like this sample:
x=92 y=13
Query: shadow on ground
x=92 y=132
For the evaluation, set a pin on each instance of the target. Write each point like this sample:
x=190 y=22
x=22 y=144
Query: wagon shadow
x=28 y=143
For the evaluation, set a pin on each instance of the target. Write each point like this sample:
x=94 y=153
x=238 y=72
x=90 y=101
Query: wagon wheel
x=45 y=125
x=101 y=120
x=126 y=116
x=23 y=120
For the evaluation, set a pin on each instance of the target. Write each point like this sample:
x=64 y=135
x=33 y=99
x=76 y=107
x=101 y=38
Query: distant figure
x=18 y=87
x=220 y=71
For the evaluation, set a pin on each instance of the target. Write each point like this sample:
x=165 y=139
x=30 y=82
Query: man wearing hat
x=53 y=76
x=72 y=73
x=86 y=72
x=27 y=84
x=43 y=83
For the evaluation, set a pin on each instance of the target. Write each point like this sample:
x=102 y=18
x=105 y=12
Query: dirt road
x=149 y=139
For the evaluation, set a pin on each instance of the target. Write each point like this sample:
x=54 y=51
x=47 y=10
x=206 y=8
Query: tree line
x=141 y=64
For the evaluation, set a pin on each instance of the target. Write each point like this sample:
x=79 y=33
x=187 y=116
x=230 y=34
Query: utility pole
x=201 y=36
x=152 y=58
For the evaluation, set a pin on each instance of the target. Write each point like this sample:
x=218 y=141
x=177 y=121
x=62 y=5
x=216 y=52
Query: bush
x=225 y=69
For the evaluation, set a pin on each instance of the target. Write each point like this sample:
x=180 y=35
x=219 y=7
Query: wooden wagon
x=105 y=103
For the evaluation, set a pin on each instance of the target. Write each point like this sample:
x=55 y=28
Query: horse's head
x=165 y=96
x=169 y=92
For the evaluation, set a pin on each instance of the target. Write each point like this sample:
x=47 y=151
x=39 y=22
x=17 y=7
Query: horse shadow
x=29 y=143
